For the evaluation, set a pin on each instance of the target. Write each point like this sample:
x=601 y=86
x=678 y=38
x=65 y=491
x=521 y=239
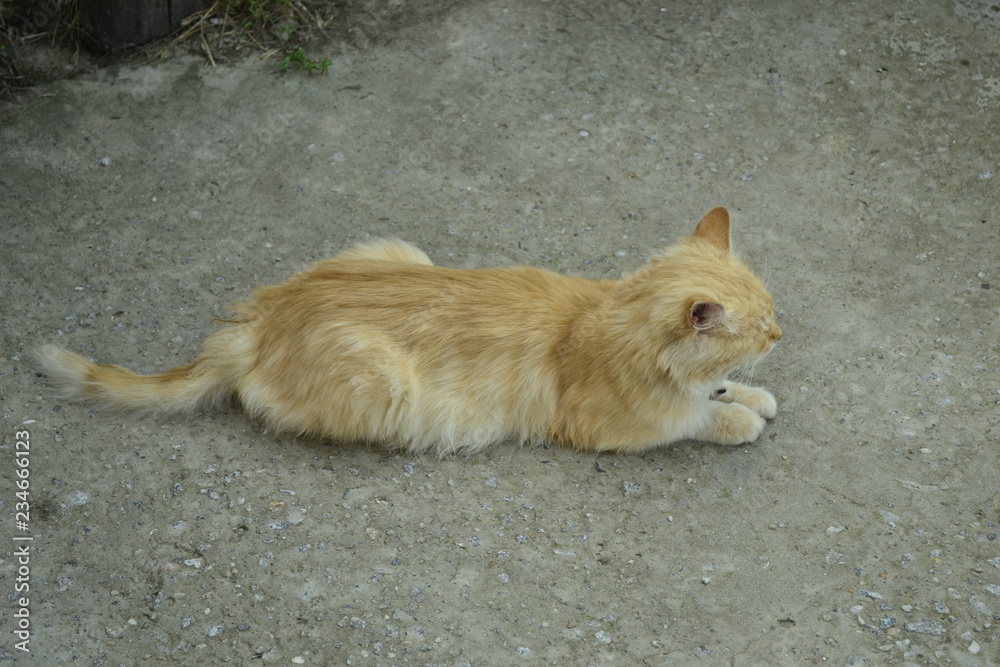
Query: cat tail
x=102 y=385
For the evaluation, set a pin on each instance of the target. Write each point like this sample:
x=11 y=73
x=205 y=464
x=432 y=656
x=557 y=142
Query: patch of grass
x=24 y=23
x=297 y=59
x=228 y=29
x=262 y=11
x=268 y=26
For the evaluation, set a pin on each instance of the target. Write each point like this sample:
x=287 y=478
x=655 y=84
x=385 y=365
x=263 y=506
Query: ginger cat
x=379 y=345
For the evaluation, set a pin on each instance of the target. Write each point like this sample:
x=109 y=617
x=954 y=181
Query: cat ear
x=714 y=228
x=705 y=315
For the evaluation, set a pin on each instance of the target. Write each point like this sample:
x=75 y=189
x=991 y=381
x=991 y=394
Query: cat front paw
x=759 y=400
x=735 y=424
x=762 y=402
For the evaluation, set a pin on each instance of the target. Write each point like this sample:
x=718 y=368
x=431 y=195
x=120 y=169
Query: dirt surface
x=856 y=145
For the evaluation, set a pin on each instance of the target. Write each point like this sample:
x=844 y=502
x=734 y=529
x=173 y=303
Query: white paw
x=759 y=400
x=762 y=402
x=736 y=424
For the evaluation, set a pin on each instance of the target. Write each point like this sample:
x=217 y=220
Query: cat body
x=379 y=345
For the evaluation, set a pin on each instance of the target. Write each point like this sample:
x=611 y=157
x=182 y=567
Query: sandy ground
x=856 y=145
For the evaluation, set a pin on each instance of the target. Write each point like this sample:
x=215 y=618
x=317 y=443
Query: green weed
x=297 y=59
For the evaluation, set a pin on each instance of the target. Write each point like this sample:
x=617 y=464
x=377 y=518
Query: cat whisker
x=746 y=372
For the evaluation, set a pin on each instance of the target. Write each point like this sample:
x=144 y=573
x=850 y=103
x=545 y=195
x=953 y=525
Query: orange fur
x=379 y=345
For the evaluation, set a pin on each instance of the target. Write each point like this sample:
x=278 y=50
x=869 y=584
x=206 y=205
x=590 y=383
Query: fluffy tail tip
x=65 y=370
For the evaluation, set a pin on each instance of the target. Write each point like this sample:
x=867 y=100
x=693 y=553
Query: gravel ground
x=856 y=146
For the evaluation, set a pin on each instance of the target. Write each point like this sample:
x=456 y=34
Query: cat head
x=701 y=311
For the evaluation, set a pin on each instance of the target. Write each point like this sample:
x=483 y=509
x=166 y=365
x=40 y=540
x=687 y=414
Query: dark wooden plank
x=116 y=24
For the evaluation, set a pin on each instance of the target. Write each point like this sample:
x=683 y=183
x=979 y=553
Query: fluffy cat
x=379 y=345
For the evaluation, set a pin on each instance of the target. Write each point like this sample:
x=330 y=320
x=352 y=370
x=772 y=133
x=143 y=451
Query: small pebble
x=980 y=606
x=926 y=626
x=104 y=162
